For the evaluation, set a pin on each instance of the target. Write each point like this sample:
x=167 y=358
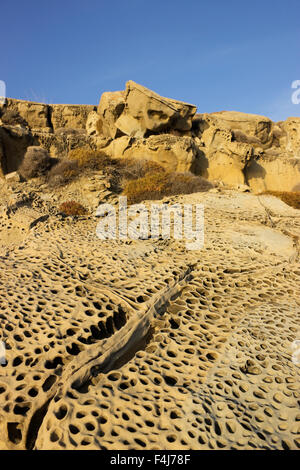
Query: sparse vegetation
x=63 y=172
x=291 y=198
x=131 y=169
x=72 y=208
x=80 y=160
x=36 y=162
x=139 y=179
x=118 y=171
x=88 y=158
x=157 y=185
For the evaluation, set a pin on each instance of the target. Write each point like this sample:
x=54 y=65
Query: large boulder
x=291 y=130
x=110 y=107
x=239 y=148
x=251 y=125
x=72 y=116
x=174 y=153
x=274 y=171
x=92 y=123
x=140 y=112
x=28 y=114
x=220 y=156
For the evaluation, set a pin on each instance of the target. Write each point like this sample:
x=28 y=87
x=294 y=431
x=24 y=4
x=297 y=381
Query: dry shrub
x=187 y=183
x=88 y=158
x=155 y=186
x=36 y=163
x=133 y=168
x=72 y=208
x=63 y=172
x=149 y=187
x=81 y=160
x=127 y=169
x=291 y=198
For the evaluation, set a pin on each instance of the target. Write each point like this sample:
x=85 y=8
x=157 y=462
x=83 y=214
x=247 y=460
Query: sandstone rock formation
x=258 y=127
x=49 y=117
x=291 y=131
x=110 y=108
x=142 y=344
x=222 y=159
x=35 y=115
x=57 y=128
x=274 y=172
x=233 y=147
x=172 y=152
x=70 y=116
x=239 y=148
x=138 y=112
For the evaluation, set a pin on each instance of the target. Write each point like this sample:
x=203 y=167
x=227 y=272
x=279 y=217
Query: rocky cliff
x=57 y=128
x=232 y=147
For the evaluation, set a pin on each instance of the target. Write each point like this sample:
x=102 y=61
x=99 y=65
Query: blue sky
x=219 y=55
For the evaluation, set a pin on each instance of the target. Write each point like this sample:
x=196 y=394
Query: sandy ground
x=144 y=344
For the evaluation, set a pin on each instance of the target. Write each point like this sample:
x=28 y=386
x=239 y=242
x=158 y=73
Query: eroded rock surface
x=144 y=344
x=172 y=152
x=239 y=148
x=139 y=111
x=235 y=148
x=57 y=128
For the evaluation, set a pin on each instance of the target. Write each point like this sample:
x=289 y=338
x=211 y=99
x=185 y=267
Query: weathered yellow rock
x=44 y=117
x=274 y=173
x=172 y=152
x=221 y=158
x=71 y=116
x=110 y=108
x=250 y=124
x=291 y=127
x=239 y=148
x=35 y=114
x=138 y=111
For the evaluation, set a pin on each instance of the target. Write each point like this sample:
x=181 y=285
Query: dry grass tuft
x=88 y=158
x=155 y=186
x=63 y=172
x=72 y=208
x=131 y=168
x=37 y=162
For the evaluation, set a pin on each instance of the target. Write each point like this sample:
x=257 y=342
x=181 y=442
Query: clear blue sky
x=219 y=55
